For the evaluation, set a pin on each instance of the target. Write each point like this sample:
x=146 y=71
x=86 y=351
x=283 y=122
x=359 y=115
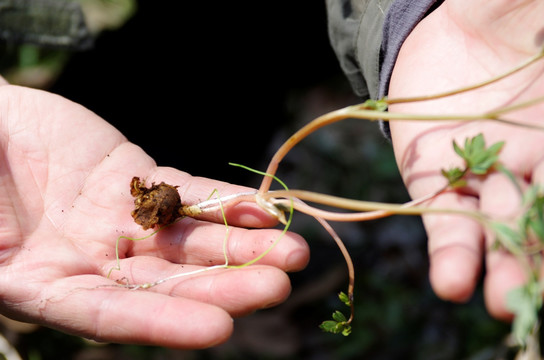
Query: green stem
x=512 y=71
x=359 y=112
x=506 y=109
x=362 y=111
x=360 y=205
x=117 y=267
x=286 y=222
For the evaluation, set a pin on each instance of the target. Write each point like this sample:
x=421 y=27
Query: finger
x=239 y=291
x=79 y=307
x=503 y=271
x=455 y=247
x=194 y=190
x=455 y=241
x=196 y=242
x=504 y=274
x=537 y=176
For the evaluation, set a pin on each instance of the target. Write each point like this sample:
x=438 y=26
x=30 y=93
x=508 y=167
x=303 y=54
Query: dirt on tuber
x=155 y=207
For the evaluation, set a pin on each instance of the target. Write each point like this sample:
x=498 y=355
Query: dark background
x=199 y=84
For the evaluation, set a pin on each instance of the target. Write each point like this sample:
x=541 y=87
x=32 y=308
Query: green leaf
x=455 y=177
x=533 y=218
x=329 y=326
x=509 y=175
x=476 y=143
x=478 y=159
x=459 y=150
x=346 y=330
x=334 y=327
x=525 y=303
x=507 y=236
x=339 y=324
x=344 y=298
x=482 y=166
x=495 y=148
x=339 y=317
x=377 y=105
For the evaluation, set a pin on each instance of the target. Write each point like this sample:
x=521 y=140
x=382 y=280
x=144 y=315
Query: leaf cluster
x=478 y=158
x=525 y=303
x=339 y=323
x=532 y=221
x=530 y=225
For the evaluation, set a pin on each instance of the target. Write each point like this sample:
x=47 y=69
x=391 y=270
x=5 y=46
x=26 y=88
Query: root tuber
x=156 y=206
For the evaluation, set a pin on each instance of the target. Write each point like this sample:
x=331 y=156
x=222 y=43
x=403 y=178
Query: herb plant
x=525 y=240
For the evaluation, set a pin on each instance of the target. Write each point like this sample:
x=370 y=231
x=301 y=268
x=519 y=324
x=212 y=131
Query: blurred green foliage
x=38 y=65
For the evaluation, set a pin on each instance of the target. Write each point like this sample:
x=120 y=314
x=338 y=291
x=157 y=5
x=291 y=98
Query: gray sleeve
x=366 y=36
x=46 y=23
x=355 y=32
x=400 y=20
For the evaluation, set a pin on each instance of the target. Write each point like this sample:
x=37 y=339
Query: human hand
x=461 y=43
x=65 y=176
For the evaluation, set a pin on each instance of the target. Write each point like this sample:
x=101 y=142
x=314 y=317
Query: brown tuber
x=156 y=206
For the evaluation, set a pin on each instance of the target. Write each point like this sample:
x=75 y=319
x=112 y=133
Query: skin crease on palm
x=65 y=178
x=464 y=42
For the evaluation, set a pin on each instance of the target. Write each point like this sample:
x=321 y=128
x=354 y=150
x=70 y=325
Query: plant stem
x=360 y=112
x=512 y=71
x=349 y=263
x=496 y=113
x=318 y=123
x=212 y=205
x=363 y=112
x=359 y=205
x=342 y=216
x=356 y=111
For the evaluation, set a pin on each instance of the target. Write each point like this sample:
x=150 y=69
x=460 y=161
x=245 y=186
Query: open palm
x=461 y=43
x=65 y=199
